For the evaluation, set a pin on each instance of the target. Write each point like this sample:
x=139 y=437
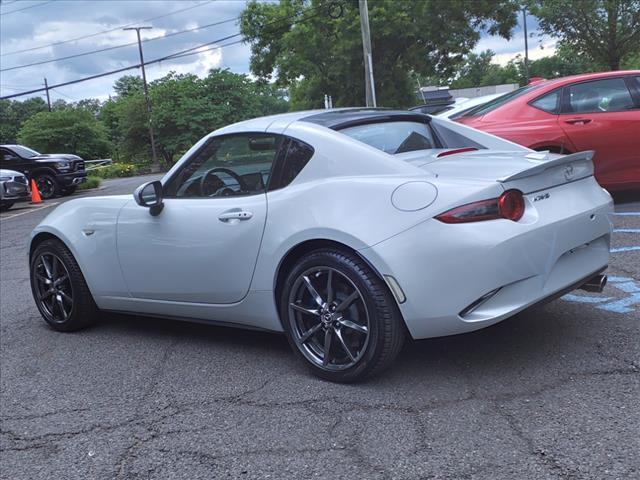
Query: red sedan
x=596 y=111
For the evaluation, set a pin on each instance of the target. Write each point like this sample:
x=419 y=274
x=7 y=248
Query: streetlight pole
x=526 y=44
x=155 y=166
x=370 y=89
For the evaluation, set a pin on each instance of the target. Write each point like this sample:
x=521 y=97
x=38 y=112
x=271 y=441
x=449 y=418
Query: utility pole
x=526 y=44
x=46 y=86
x=155 y=166
x=370 y=89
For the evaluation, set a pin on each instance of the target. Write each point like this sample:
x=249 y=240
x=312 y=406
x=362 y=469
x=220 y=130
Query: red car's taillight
x=509 y=205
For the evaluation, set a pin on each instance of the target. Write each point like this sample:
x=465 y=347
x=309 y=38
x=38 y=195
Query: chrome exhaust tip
x=595 y=284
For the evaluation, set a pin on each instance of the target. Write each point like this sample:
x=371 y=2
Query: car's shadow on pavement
x=543 y=344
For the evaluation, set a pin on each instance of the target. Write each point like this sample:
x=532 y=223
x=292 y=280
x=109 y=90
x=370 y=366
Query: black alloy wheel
x=59 y=288
x=47 y=186
x=340 y=317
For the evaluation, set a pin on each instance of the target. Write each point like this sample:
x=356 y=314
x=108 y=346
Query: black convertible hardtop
x=351 y=117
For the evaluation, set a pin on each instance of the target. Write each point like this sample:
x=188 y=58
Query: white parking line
x=626 y=214
x=31 y=210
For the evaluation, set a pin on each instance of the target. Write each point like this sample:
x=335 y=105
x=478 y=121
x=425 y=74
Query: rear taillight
x=509 y=205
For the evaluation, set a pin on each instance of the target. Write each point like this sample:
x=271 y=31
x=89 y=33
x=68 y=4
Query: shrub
x=116 y=170
x=92 y=182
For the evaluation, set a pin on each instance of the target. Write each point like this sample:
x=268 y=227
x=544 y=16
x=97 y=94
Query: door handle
x=581 y=121
x=237 y=215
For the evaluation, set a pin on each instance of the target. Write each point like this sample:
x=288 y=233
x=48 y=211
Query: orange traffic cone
x=35 y=194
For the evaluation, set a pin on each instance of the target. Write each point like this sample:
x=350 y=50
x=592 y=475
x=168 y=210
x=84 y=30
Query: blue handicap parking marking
x=629 y=287
x=626 y=304
x=583 y=299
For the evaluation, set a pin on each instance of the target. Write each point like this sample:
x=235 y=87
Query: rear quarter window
x=547 y=103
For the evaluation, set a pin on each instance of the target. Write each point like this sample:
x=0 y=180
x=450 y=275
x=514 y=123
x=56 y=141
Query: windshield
x=498 y=102
x=393 y=137
x=24 y=152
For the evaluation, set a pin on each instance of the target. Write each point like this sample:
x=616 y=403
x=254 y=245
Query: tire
x=360 y=316
x=67 y=305
x=69 y=190
x=47 y=186
x=6 y=206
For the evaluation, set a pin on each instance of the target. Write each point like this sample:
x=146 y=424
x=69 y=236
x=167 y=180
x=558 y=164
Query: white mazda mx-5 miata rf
x=349 y=230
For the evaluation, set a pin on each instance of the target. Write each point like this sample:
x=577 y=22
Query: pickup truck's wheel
x=339 y=317
x=69 y=190
x=59 y=289
x=47 y=186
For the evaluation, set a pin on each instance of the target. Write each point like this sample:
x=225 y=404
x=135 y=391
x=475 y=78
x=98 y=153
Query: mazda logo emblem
x=568 y=172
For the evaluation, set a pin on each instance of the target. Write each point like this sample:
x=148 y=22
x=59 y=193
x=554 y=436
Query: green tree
x=563 y=63
x=14 y=113
x=68 y=130
x=478 y=70
x=314 y=47
x=128 y=85
x=607 y=31
x=185 y=108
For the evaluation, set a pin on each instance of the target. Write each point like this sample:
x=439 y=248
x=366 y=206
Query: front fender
x=88 y=227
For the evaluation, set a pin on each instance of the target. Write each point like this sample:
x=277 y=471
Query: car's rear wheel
x=59 y=288
x=47 y=186
x=339 y=317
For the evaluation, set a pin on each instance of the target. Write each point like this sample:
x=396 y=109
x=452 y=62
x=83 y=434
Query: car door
x=203 y=245
x=602 y=115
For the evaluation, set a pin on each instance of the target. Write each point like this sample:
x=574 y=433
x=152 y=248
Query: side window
x=297 y=156
x=548 y=102
x=227 y=166
x=7 y=156
x=609 y=95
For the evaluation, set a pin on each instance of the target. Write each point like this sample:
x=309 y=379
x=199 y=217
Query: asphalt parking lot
x=551 y=393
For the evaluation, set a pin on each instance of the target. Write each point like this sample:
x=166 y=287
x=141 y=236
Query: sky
x=27 y=25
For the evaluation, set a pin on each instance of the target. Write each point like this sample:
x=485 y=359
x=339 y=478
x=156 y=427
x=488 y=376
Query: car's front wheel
x=47 y=186
x=59 y=288
x=340 y=317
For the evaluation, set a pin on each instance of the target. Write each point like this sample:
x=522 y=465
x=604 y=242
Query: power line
x=25 y=8
x=120 y=27
x=63 y=94
x=115 y=47
x=183 y=53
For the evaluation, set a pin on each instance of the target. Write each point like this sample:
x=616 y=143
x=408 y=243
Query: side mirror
x=149 y=195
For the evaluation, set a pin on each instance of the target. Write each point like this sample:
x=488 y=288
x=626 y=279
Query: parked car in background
x=54 y=173
x=435 y=101
x=597 y=111
x=14 y=187
x=463 y=105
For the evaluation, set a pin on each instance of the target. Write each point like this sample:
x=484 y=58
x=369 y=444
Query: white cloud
x=62 y=20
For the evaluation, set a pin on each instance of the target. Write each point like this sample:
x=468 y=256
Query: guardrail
x=96 y=164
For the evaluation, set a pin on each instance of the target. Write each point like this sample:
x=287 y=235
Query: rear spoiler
x=578 y=165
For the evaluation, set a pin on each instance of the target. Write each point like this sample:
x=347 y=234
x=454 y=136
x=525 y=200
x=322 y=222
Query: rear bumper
x=444 y=270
